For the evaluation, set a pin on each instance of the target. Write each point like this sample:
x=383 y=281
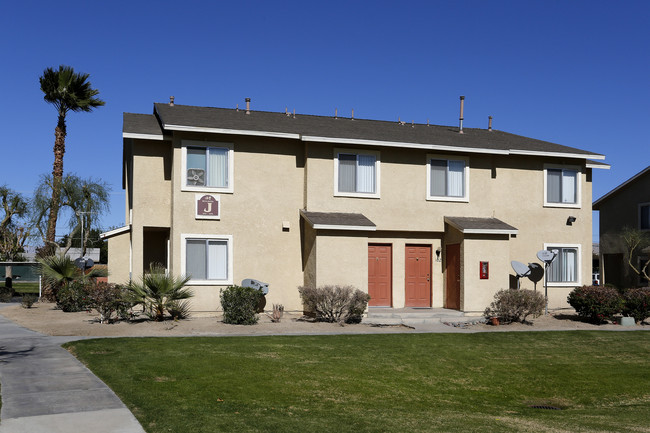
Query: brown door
x=453 y=276
x=380 y=275
x=418 y=276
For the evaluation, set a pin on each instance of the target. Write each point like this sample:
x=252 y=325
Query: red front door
x=418 y=276
x=380 y=275
x=453 y=277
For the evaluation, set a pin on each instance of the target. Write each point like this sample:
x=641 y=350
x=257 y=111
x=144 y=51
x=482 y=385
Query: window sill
x=210 y=283
x=207 y=189
x=564 y=205
x=568 y=284
x=356 y=195
x=451 y=199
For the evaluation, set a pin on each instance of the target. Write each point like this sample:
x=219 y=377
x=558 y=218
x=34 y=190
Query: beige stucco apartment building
x=417 y=215
x=627 y=205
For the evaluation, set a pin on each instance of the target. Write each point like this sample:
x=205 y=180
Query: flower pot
x=494 y=321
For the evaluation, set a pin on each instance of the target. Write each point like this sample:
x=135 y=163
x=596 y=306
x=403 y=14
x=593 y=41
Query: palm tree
x=161 y=292
x=60 y=270
x=67 y=91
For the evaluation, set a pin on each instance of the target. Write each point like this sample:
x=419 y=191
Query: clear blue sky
x=571 y=72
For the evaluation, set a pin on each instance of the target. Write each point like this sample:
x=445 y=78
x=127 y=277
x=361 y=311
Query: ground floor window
x=566 y=266
x=207 y=258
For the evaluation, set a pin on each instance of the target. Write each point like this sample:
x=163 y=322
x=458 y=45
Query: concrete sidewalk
x=47 y=390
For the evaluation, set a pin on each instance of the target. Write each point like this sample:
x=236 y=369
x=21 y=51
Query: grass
x=381 y=383
x=25 y=287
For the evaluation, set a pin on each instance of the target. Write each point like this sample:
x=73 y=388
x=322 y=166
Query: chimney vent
x=171 y=101
x=294 y=113
x=489 y=123
x=248 y=105
x=336 y=113
x=353 y=114
x=462 y=102
x=427 y=122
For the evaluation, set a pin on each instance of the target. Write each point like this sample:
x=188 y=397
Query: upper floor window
x=565 y=269
x=562 y=187
x=207 y=166
x=644 y=216
x=356 y=173
x=447 y=179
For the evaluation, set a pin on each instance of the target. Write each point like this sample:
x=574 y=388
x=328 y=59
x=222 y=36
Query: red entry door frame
x=418 y=276
x=380 y=275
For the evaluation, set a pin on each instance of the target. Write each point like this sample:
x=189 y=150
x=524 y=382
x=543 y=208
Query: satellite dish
x=520 y=269
x=255 y=284
x=80 y=263
x=546 y=256
x=89 y=262
x=536 y=272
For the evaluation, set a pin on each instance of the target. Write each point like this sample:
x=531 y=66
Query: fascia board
x=144 y=136
x=337 y=227
x=185 y=128
x=115 y=232
x=556 y=154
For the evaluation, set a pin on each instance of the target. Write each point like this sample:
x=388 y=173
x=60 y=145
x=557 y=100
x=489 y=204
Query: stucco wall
x=118 y=258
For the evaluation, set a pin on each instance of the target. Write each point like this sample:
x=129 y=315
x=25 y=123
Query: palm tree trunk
x=57 y=177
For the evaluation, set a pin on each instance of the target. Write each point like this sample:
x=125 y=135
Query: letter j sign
x=208 y=206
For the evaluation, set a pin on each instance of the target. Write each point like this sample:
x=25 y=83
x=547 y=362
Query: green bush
x=514 y=305
x=73 y=297
x=6 y=294
x=28 y=300
x=240 y=305
x=106 y=299
x=335 y=304
x=596 y=303
x=637 y=303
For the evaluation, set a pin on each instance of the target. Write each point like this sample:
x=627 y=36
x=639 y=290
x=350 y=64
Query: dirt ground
x=45 y=318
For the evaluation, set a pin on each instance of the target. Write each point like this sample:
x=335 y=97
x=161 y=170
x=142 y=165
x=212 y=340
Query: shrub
x=336 y=304
x=596 y=303
x=72 y=297
x=514 y=305
x=637 y=303
x=28 y=300
x=179 y=310
x=6 y=293
x=240 y=305
x=105 y=298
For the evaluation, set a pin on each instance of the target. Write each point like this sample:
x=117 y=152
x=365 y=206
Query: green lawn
x=25 y=287
x=381 y=383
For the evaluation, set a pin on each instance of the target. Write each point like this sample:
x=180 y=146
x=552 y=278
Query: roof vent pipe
x=489 y=123
x=248 y=105
x=171 y=101
x=336 y=113
x=462 y=102
x=353 y=114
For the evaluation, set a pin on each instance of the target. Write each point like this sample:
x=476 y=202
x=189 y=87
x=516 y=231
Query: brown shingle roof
x=480 y=225
x=338 y=221
x=185 y=116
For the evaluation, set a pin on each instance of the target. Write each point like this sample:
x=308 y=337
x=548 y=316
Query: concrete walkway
x=47 y=390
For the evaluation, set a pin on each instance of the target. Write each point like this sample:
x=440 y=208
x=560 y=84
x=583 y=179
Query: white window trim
x=465 y=198
x=231 y=166
x=578 y=204
x=227 y=238
x=375 y=153
x=577 y=283
x=640 y=206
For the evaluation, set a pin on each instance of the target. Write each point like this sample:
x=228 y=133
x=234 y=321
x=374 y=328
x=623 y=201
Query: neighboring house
x=73 y=253
x=627 y=205
x=417 y=215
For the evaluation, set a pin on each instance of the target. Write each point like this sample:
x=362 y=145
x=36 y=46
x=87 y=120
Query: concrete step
x=418 y=316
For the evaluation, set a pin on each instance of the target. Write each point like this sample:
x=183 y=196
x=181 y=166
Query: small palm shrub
x=240 y=305
x=596 y=303
x=72 y=297
x=637 y=303
x=335 y=304
x=159 y=292
x=514 y=305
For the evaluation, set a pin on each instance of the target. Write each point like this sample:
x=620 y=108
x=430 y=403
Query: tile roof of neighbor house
x=341 y=130
x=338 y=221
x=610 y=194
x=480 y=225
